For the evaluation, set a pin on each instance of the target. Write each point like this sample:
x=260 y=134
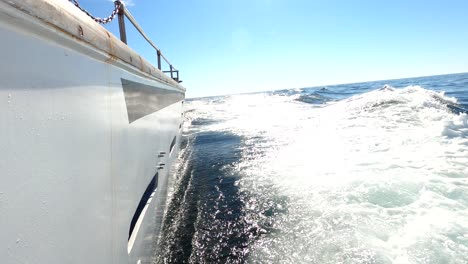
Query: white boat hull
x=76 y=157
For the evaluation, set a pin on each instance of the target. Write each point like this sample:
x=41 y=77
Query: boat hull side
x=73 y=167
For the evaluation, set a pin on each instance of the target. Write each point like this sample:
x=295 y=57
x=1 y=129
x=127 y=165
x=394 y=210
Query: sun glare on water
x=379 y=177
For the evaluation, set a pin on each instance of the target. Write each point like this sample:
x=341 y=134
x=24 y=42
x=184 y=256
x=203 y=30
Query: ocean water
x=371 y=172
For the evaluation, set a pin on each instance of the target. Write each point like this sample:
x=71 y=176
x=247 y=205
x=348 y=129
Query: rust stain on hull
x=112 y=57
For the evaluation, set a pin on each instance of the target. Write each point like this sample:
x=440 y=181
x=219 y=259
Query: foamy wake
x=380 y=177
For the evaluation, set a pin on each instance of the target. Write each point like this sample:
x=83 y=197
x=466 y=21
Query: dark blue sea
x=373 y=172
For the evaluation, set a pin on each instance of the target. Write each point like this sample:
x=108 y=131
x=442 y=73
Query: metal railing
x=121 y=14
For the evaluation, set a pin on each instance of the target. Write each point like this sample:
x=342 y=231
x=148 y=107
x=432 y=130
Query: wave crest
x=415 y=98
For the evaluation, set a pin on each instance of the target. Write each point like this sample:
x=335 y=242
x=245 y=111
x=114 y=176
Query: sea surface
x=372 y=172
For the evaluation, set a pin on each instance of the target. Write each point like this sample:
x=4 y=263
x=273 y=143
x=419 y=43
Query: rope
x=106 y=20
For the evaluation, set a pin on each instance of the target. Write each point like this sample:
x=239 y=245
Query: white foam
x=380 y=177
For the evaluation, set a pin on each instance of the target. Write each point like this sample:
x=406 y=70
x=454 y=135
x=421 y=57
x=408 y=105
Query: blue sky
x=237 y=46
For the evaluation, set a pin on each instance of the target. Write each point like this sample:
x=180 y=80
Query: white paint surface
x=72 y=169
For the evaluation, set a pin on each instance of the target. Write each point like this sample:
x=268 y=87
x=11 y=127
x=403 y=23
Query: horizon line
x=322 y=85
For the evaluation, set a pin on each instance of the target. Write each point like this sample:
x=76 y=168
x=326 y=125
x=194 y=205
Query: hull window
x=143 y=201
x=172 y=144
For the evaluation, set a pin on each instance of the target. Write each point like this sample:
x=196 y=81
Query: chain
x=106 y=20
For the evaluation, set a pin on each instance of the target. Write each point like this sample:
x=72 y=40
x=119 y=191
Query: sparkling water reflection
x=360 y=173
